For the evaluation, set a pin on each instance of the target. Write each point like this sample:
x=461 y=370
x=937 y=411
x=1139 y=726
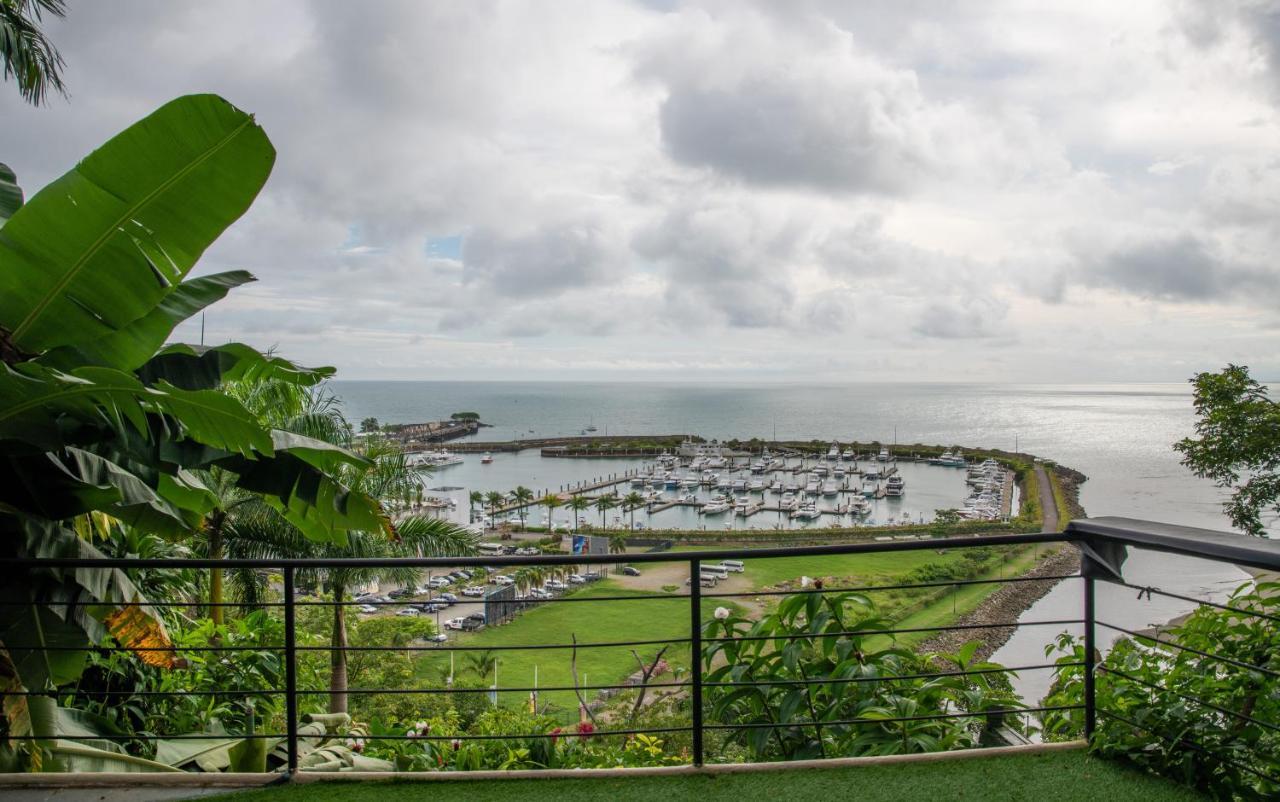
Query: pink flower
x=456 y=744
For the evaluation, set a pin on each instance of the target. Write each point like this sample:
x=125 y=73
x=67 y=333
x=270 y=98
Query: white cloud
x=725 y=187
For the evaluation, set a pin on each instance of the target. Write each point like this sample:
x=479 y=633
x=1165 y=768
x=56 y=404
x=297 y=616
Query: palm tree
x=494 y=499
x=26 y=53
x=552 y=502
x=604 y=503
x=578 y=504
x=483 y=663
x=633 y=500
x=476 y=497
x=523 y=496
x=266 y=535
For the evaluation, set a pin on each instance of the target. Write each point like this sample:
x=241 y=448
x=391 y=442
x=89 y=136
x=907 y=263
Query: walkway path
x=1048 y=506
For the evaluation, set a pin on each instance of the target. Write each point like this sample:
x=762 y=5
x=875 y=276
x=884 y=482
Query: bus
x=491 y=549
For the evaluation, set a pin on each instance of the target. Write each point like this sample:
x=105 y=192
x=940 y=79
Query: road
x=1048 y=506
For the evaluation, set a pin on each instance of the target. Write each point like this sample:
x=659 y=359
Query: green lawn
x=1065 y=776
x=668 y=619
x=887 y=566
x=590 y=622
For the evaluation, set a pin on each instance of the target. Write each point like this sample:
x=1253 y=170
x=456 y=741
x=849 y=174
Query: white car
x=577 y=579
x=730 y=566
x=474 y=590
x=503 y=579
x=539 y=593
x=368 y=608
x=439 y=637
x=554 y=584
x=408 y=611
x=453 y=623
x=440 y=582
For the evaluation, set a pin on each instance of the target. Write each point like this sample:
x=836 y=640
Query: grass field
x=1065 y=776
x=668 y=619
x=559 y=623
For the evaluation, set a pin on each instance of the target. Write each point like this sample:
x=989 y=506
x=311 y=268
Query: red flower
x=585 y=728
x=555 y=735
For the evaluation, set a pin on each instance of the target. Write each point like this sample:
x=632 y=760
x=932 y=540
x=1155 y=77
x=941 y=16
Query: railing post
x=1090 y=649
x=290 y=673
x=695 y=648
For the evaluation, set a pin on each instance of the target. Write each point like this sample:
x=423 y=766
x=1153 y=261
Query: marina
x=706 y=487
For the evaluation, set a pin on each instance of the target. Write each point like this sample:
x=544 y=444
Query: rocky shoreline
x=1006 y=604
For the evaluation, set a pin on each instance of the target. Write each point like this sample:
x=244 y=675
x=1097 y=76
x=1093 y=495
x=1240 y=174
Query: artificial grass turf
x=1060 y=776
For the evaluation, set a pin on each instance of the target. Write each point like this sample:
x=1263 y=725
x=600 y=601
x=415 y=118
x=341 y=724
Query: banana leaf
x=199 y=368
x=131 y=346
x=72 y=756
x=100 y=247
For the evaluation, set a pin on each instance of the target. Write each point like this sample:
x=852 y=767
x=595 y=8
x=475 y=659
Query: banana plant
x=101 y=422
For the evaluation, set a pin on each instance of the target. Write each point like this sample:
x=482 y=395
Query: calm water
x=1120 y=436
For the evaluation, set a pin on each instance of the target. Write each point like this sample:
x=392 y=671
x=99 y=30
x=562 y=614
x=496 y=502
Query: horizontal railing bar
x=1149 y=590
x=874 y=588
x=361 y=737
x=894 y=678
x=1209 y=544
x=446 y=647
x=683 y=597
x=893 y=720
x=304 y=563
x=549 y=689
x=1190 y=744
x=1189 y=698
x=817 y=635
x=1163 y=642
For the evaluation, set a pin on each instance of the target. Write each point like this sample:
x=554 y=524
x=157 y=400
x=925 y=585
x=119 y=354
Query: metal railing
x=1103 y=543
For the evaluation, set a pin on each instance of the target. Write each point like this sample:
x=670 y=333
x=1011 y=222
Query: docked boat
x=715 y=506
x=847 y=455
x=756 y=486
x=487 y=459
x=806 y=512
x=690 y=482
x=830 y=488
x=833 y=453
x=870 y=489
x=811 y=486
x=895 y=486
x=883 y=456
x=873 y=473
x=637 y=481
x=740 y=485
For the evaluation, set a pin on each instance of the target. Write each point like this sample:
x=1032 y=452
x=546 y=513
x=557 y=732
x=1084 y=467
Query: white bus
x=491 y=549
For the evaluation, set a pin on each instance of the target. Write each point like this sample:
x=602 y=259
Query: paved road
x=1048 y=507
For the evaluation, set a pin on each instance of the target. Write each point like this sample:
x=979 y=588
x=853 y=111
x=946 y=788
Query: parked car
x=474 y=590
x=400 y=593
x=440 y=582
x=527 y=551
x=733 y=565
x=577 y=579
x=439 y=637
x=539 y=593
x=384 y=599
x=430 y=607
x=503 y=579
x=592 y=576
x=409 y=611
x=368 y=608
x=461 y=575
x=554 y=584
x=453 y=623
x=448 y=597
x=366 y=597
x=629 y=571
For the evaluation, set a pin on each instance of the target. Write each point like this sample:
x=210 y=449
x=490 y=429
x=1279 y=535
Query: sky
x=802 y=191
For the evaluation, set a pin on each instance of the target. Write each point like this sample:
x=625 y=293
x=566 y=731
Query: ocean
x=1119 y=435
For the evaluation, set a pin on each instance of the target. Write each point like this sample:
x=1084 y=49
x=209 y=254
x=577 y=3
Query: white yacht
x=847 y=455
x=895 y=486
x=756 y=486
x=486 y=459
x=883 y=456
x=807 y=511
x=834 y=452
x=830 y=488
x=716 y=506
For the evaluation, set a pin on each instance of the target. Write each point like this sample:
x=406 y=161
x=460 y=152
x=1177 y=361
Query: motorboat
x=895 y=486
x=715 y=506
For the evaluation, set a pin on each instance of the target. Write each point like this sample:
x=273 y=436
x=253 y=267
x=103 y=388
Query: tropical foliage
x=1174 y=711
x=1237 y=445
x=105 y=429
x=802 y=683
x=26 y=54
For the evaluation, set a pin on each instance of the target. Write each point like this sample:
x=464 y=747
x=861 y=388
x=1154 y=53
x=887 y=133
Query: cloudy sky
x=802 y=191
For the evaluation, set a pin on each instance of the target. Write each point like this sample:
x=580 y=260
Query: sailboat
x=591 y=427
